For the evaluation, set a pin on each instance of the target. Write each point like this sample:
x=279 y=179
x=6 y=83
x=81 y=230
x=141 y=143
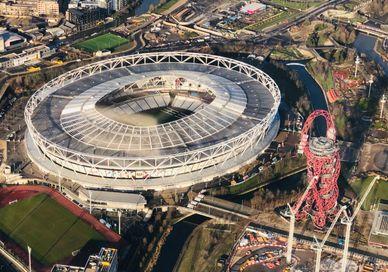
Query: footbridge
x=220 y=209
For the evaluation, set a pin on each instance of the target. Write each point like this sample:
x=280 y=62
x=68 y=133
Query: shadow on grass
x=92 y=247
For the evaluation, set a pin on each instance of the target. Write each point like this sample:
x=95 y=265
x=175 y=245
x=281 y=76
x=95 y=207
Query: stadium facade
x=152 y=121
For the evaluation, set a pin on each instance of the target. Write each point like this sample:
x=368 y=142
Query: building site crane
x=293 y=211
x=348 y=221
x=318 y=247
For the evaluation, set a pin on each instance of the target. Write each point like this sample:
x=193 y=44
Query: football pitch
x=51 y=231
x=103 y=42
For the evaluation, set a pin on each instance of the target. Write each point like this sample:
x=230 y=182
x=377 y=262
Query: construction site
x=259 y=249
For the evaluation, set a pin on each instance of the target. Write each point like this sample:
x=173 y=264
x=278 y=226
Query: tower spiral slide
x=323 y=168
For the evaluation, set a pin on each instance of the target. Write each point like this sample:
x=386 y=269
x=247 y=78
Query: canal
x=175 y=242
x=366 y=44
x=145 y=5
x=315 y=93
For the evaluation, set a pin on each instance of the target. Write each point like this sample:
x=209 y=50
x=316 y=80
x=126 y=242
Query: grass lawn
x=103 y=42
x=205 y=247
x=286 y=54
x=325 y=80
x=153 y=117
x=378 y=192
x=379 y=124
x=166 y=6
x=296 y=5
x=48 y=228
x=274 y=20
x=281 y=168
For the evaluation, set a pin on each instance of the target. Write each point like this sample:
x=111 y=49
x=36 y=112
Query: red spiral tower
x=323 y=168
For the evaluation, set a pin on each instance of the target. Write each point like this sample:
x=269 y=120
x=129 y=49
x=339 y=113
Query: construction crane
x=318 y=247
x=347 y=221
x=293 y=211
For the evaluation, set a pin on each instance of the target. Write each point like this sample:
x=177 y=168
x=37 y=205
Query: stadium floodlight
x=90 y=201
x=119 y=215
x=29 y=259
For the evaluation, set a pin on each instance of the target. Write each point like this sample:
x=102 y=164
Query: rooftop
x=240 y=104
x=101 y=262
x=109 y=196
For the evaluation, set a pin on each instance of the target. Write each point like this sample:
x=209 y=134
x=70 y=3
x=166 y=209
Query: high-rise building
x=18 y=8
x=47 y=7
x=85 y=18
x=119 y=4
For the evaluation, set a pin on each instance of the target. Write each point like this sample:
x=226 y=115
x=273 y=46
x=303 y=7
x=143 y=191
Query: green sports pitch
x=51 y=230
x=103 y=42
x=378 y=192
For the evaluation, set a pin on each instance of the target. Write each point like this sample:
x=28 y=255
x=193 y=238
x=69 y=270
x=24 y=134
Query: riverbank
x=205 y=246
x=282 y=169
x=175 y=242
x=366 y=44
x=315 y=92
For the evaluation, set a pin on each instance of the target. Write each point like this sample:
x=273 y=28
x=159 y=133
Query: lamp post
x=119 y=215
x=370 y=84
x=357 y=63
x=382 y=101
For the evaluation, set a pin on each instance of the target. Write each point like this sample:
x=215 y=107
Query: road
x=372 y=30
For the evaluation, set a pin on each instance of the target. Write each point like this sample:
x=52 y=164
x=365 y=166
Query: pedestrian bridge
x=220 y=209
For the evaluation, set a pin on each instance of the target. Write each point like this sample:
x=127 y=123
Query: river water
x=145 y=5
x=365 y=44
x=315 y=93
x=175 y=242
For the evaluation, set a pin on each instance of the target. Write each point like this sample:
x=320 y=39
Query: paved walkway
x=374 y=157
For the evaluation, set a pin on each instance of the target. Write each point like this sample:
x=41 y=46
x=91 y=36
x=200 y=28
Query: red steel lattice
x=321 y=199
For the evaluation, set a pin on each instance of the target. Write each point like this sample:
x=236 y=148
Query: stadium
x=152 y=121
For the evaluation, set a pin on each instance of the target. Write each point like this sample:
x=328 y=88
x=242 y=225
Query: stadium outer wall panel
x=160 y=184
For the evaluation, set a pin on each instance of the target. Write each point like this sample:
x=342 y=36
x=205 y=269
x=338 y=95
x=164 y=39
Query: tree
x=150 y=228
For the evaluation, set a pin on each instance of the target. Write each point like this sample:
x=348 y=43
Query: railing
x=15 y=260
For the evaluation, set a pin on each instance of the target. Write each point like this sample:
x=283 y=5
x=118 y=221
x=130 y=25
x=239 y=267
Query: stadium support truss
x=70 y=134
x=323 y=168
